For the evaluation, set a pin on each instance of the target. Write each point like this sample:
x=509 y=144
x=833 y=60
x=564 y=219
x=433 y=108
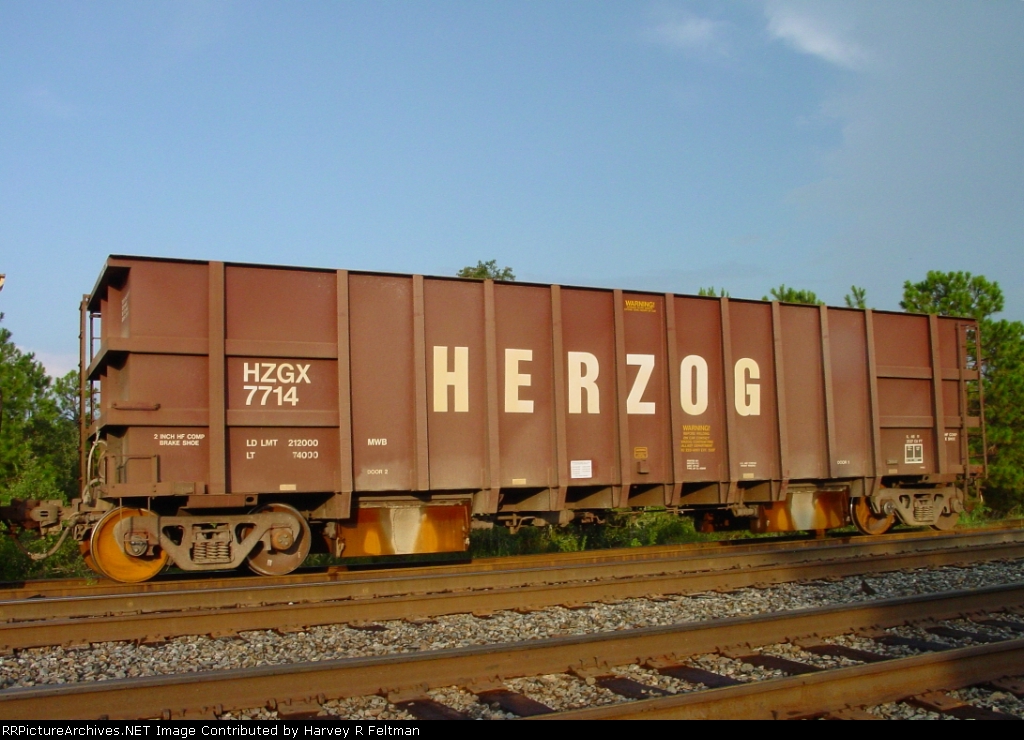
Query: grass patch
x=978 y=514
x=622 y=529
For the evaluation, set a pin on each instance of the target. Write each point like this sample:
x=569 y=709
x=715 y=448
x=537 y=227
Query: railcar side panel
x=588 y=342
x=853 y=455
x=278 y=459
x=150 y=454
x=647 y=404
x=525 y=386
x=905 y=398
x=383 y=383
x=456 y=367
x=280 y=313
x=804 y=393
x=703 y=437
x=159 y=300
x=754 y=450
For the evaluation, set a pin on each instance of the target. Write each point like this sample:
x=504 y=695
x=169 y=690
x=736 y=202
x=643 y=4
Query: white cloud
x=929 y=174
x=687 y=33
x=813 y=35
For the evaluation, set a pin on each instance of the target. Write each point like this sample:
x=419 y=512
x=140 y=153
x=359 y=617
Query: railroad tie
x=367 y=626
x=842 y=651
x=420 y=621
x=916 y=643
x=298 y=709
x=152 y=640
x=629 y=688
x=621 y=685
x=959 y=634
x=1010 y=685
x=427 y=708
x=416 y=701
x=772 y=662
x=514 y=702
x=1004 y=624
x=693 y=675
x=936 y=701
x=850 y=713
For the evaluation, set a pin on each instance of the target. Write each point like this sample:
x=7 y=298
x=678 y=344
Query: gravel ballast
x=57 y=665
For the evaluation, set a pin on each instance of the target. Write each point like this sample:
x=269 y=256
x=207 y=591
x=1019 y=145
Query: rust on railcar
x=803 y=511
x=398 y=528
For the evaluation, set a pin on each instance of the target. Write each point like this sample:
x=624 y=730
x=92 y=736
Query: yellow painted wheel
x=106 y=550
x=290 y=554
x=83 y=547
x=867 y=521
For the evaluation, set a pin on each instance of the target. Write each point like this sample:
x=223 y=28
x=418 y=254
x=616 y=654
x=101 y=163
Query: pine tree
x=792 y=295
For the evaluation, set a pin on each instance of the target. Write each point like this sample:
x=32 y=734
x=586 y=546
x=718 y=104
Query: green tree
x=38 y=428
x=711 y=291
x=485 y=270
x=38 y=455
x=1002 y=371
x=792 y=295
x=953 y=294
x=857 y=297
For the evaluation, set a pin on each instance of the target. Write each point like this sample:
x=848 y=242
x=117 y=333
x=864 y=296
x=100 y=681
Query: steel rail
x=815 y=694
x=56 y=588
x=200 y=694
x=390 y=583
x=162 y=625
x=74 y=587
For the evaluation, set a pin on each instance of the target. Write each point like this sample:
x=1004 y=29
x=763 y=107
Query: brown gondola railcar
x=244 y=413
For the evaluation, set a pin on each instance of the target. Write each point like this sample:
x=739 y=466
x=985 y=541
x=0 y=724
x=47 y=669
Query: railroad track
x=358 y=598
x=71 y=587
x=987 y=648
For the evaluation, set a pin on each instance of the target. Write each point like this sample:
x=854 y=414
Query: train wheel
x=83 y=547
x=948 y=520
x=108 y=556
x=288 y=551
x=867 y=521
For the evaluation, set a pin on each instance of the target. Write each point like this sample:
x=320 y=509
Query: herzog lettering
x=582 y=372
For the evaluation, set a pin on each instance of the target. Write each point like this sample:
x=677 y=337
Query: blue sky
x=648 y=145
